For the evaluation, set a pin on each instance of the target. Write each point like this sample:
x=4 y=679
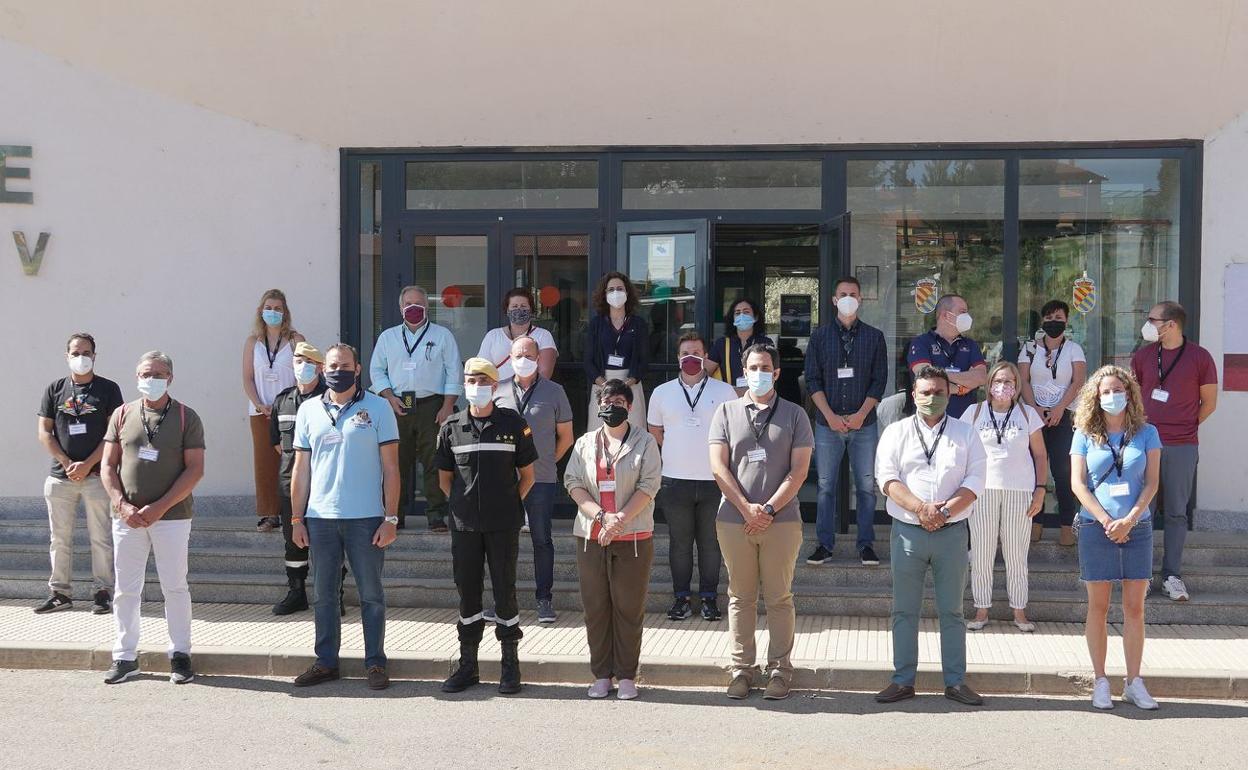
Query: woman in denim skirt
x=1115 y=466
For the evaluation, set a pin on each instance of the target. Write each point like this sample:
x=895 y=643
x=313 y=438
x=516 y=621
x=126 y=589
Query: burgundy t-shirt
x=1175 y=418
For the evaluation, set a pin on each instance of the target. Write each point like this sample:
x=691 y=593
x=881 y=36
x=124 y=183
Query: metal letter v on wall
x=30 y=264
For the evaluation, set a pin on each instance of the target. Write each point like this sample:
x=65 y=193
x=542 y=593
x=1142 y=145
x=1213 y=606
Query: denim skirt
x=1102 y=559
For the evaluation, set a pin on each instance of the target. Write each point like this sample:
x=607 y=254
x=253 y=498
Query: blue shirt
x=861 y=348
x=961 y=355
x=346 y=459
x=432 y=368
x=1100 y=460
x=603 y=342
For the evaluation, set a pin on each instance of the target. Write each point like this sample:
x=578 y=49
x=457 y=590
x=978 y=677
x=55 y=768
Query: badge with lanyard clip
x=608 y=484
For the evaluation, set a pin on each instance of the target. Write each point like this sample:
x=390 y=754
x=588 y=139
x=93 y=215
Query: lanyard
x=1162 y=375
x=1051 y=358
x=152 y=432
x=693 y=403
x=760 y=430
x=947 y=348
x=415 y=344
x=619 y=334
x=80 y=398
x=1000 y=431
x=334 y=416
x=848 y=338
x=1118 y=454
x=730 y=355
x=523 y=403
x=928 y=453
x=272 y=352
x=612 y=459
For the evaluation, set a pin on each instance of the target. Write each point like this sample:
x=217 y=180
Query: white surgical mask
x=153 y=388
x=963 y=323
x=523 y=367
x=617 y=297
x=80 y=365
x=478 y=395
x=1149 y=332
x=305 y=372
x=759 y=382
x=847 y=306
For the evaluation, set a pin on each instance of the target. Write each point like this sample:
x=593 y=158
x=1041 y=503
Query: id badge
x=741 y=383
x=410 y=365
x=615 y=362
x=409 y=399
x=845 y=373
x=692 y=422
x=606 y=485
x=1161 y=395
x=149 y=453
x=332 y=438
x=77 y=428
x=1119 y=490
x=270 y=376
x=756 y=455
x=952 y=369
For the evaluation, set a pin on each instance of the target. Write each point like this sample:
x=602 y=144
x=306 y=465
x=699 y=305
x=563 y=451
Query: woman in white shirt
x=1053 y=370
x=496 y=347
x=1013 y=493
x=268 y=369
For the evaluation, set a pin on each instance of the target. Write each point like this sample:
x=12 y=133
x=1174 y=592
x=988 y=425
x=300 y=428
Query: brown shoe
x=965 y=695
x=268 y=524
x=317 y=674
x=378 y=679
x=777 y=689
x=739 y=689
x=1066 y=537
x=1037 y=532
x=894 y=693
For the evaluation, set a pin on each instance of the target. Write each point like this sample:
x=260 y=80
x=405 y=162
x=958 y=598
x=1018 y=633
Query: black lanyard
x=847 y=348
x=1118 y=454
x=1051 y=363
x=619 y=334
x=761 y=430
x=416 y=344
x=1162 y=375
x=693 y=403
x=333 y=417
x=948 y=348
x=523 y=403
x=153 y=432
x=613 y=459
x=928 y=453
x=80 y=398
x=272 y=352
x=736 y=354
x=1000 y=431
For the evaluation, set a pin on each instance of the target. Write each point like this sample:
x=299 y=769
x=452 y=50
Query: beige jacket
x=640 y=468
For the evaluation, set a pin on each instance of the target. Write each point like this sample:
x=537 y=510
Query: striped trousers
x=1000 y=514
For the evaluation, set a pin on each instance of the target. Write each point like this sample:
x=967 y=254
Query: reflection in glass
x=371 y=300
x=723 y=184
x=506 y=184
x=556 y=268
x=662 y=268
x=452 y=268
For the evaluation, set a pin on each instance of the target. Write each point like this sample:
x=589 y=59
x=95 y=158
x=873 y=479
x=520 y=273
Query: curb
x=662 y=672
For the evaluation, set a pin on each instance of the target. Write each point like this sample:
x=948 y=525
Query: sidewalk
x=839 y=653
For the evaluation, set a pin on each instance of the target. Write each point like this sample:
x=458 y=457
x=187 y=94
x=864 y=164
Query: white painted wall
x=167 y=223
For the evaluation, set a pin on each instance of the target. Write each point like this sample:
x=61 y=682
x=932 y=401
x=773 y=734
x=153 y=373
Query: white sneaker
x=1101 y=697
x=627 y=689
x=1175 y=589
x=1134 y=692
x=600 y=689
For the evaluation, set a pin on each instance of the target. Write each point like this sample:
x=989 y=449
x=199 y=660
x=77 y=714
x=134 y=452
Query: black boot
x=467 y=674
x=297 y=597
x=509 y=681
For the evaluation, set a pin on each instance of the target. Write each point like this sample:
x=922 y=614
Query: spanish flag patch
x=528 y=431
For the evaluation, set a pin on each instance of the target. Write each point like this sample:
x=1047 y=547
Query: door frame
x=701 y=229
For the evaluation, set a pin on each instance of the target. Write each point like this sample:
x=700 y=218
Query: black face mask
x=614 y=415
x=339 y=380
x=1054 y=328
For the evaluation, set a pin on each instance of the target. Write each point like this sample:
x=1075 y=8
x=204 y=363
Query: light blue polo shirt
x=346 y=461
x=1100 y=462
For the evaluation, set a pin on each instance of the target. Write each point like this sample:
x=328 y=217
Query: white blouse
x=271 y=377
x=1050 y=389
x=1010 y=464
x=496 y=348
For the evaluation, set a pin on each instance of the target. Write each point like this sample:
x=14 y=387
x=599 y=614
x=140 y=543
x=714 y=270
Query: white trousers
x=62 y=497
x=169 y=540
x=1000 y=514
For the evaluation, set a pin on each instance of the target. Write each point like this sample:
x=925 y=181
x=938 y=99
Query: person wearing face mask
x=415 y=367
x=308 y=385
x=1179 y=381
x=743 y=328
x=680 y=420
x=613 y=475
x=846 y=372
x=1115 y=470
x=153 y=458
x=1052 y=371
x=544 y=406
x=496 y=346
x=946 y=348
x=932 y=469
x=268 y=369
x=73 y=417
x=1013 y=492
x=760 y=449
x=485 y=461
x=616 y=346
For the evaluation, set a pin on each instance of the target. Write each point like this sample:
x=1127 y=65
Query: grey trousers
x=1178 y=480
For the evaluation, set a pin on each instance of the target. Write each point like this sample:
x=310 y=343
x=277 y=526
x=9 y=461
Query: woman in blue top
x=1115 y=461
x=743 y=327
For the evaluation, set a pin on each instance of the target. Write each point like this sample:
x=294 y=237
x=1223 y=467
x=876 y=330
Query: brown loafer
x=378 y=679
x=317 y=674
x=1037 y=532
x=894 y=693
x=964 y=695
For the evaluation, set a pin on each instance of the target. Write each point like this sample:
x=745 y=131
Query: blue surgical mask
x=272 y=317
x=305 y=372
x=743 y=321
x=759 y=382
x=153 y=388
x=1114 y=403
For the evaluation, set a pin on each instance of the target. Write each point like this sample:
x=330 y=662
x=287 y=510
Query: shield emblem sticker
x=926 y=293
x=1084 y=294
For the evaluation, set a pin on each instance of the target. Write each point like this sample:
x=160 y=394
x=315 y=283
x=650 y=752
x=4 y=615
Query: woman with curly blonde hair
x=1115 y=467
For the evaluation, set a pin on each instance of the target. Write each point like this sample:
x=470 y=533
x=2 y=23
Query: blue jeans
x=830 y=447
x=913 y=551
x=540 y=505
x=329 y=541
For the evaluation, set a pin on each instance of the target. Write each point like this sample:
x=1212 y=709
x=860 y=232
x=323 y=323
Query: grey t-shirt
x=545 y=405
x=734 y=424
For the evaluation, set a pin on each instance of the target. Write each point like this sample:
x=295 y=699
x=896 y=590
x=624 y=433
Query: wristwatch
x=392 y=520
x=944 y=511
x=769 y=510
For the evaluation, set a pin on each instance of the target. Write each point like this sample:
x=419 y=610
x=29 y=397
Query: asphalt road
x=68 y=720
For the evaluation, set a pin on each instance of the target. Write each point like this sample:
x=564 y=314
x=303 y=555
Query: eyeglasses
x=1157 y=320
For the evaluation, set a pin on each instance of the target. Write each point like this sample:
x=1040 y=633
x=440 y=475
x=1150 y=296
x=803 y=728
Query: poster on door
x=795 y=315
x=661 y=253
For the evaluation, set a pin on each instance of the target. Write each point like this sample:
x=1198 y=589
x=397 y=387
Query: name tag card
x=741 y=382
x=77 y=428
x=615 y=362
x=692 y=422
x=149 y=453
x=270 y=376
x=756 y=455
x=952 y=369
x=1119 y=490
x=331 y=438
x=410 y=366
x=606 y=485
x=1161 y=395
x=845 y=373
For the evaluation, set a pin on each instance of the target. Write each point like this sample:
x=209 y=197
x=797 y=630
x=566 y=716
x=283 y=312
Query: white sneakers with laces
x=1135 y=692
x=1101 y=697
x=1174 y=588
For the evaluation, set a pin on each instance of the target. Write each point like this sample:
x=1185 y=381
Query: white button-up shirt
x=957 y=461
x=432 y=368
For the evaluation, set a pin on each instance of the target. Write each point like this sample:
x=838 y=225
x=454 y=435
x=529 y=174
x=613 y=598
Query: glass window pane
x=452 y=268
x=662 y=267
x=506 y=184
x=370 y=257
x=1115 y=219
x=556 y=268
x=723 y=184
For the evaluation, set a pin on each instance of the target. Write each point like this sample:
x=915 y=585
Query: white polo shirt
x=958 y=460
x=686 y=429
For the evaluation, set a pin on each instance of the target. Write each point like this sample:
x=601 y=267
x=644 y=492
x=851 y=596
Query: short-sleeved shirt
x=1100 y=461
x=685 y=415
x=145 y=480
x=496 y=348
x=545 y=407
x=1051 y=371
x=345 y=443
x=961 y=355
x=282 y=428
x=726 y=351
x=1010 y=464
x=734 y=424
x=80 y=416
x=1177 y=418
x=484 y=454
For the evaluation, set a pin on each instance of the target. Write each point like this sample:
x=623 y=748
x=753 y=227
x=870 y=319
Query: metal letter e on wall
x=30 y=264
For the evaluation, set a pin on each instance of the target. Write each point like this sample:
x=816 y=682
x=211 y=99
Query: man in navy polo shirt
x=959 y=356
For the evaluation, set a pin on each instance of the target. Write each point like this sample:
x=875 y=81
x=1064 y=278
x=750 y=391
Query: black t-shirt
x=282 y=428
x=484 y=455
x=69 y=405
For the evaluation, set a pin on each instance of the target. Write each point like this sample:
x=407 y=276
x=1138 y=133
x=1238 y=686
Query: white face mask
x=617 y=297
x=80 y=365
x=523 y=367
x=305 y=372
x=1149 y=332
x=963 y=323
x=847 y=306
x=478 y=395
x=153 y=388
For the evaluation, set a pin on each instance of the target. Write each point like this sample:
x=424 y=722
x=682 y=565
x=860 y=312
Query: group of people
x=719 y=451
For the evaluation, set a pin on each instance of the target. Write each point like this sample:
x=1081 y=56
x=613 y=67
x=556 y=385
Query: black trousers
x=690 y=507
x=296 y=557
x=470 y=553
x=1057 y=443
